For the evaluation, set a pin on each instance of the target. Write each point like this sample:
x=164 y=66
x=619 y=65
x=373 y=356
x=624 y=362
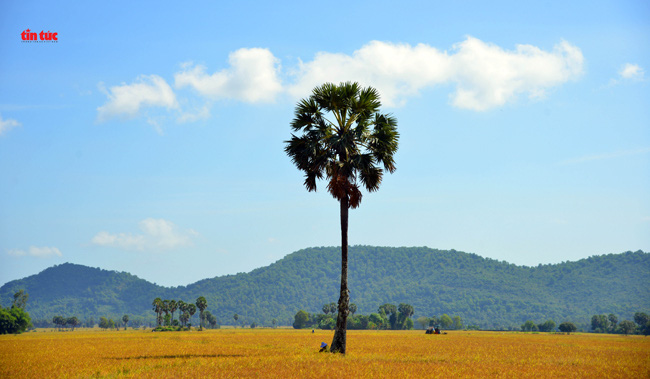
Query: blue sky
x=149 y=137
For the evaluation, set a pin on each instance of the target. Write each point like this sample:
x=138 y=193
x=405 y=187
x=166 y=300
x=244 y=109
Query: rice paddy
x=233 y=353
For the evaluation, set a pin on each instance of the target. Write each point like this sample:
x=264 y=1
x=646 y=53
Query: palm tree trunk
x=338 y=343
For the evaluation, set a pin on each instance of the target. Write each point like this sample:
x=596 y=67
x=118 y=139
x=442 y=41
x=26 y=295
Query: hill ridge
x=483 y=291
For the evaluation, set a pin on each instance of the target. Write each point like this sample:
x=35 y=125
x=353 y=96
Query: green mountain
x=484 y=292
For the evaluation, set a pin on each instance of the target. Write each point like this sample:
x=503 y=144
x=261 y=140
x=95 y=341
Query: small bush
x=170 y=329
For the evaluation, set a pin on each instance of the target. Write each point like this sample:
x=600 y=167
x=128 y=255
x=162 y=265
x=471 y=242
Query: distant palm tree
x=201 y=303
x=184 y=317
x=173 y=306
x=165 y=308
x=343 y=138
x=72 y=321
x=191 y=309
x=58 y=321
x=157 y=307
x=182 y=307
x=405 y=311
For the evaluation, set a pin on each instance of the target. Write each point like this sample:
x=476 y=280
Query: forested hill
x=71 y=289
x=482 y=291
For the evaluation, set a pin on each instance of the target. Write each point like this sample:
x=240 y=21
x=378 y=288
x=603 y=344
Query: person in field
x=431 y=330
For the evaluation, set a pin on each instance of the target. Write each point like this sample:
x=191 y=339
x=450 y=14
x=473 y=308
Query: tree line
x=388 y=316
x=610 y=324
x=64 y=323
x=599 y=324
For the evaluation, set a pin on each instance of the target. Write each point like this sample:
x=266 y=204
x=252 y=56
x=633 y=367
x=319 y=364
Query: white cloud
x=395 y=70
x=157 y=234
x=488 y=76
x=252 y=77
x=195 y=115
x=33 y=251
x=482 y=76
x=631 y=71
x=485 y=75
x=127 y=100
x=8 y=124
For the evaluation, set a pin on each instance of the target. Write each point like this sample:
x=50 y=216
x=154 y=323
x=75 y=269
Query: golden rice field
x=280 y=353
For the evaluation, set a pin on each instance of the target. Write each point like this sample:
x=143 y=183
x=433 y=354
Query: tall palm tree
x=343 y=138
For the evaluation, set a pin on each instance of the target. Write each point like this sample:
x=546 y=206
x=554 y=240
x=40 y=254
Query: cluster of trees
x=209 y=320
x=609 y=324
x=388 y=316
x=567 y=327
x=599 y=324
x=105 y=323
x=108 y=323
x=15 y=320
x=186 y=310
x=63 y=322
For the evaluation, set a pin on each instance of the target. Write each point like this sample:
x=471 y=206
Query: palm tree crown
x=344 y=139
